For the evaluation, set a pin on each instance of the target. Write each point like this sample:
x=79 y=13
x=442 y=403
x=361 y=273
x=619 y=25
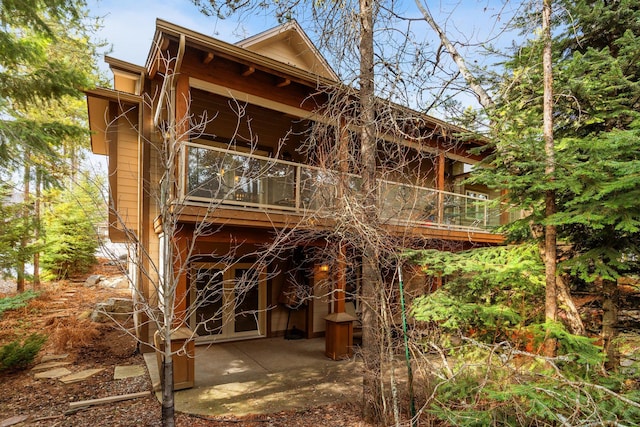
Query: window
x=476 y=205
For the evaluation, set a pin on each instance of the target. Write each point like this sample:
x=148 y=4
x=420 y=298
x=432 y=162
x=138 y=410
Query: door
x=228 y=302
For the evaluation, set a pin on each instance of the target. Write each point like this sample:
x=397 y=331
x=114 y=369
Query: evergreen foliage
x=11 y=228
x=18 y=355
x=493 y=386
x=495 y=294
x=492 y=299
x=47 y=60
x=70 y=233
x=16 y=301
x=45 y=57
x=597 y=134
x=487 y=291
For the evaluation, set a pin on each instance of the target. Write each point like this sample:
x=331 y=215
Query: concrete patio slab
x=264 y=376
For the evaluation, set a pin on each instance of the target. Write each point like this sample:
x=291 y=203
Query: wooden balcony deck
x=227 y=187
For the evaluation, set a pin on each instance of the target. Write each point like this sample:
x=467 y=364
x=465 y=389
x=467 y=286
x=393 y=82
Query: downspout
x=165 y=82
x=176 y=70
x=169 y=190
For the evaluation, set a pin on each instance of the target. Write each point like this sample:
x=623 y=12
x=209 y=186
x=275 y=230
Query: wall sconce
x=323 y=268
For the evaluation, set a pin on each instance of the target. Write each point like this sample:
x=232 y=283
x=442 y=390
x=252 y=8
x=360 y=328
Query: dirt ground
x=61 y=312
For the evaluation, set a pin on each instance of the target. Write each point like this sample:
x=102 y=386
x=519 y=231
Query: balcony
x=246 y=180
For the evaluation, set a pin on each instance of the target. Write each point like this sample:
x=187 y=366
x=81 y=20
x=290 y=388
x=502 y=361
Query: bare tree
x=160 y=302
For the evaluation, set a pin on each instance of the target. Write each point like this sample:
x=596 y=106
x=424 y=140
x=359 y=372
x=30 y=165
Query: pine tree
x=71 y=238
x=596 y=129
x=46 y=61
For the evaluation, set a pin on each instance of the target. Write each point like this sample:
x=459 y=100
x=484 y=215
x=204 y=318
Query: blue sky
x=129 y=24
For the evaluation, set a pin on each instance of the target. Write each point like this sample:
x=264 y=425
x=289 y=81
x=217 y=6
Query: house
x=262 y=162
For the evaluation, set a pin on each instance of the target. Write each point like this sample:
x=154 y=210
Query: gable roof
x=288 y=43
x=166 y=30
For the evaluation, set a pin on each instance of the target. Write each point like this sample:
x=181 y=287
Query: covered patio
x=264 y=376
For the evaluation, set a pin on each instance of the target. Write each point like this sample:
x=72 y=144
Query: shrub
x=495 y=385
x=18 y=355
x=16 y=301
x=489 y=293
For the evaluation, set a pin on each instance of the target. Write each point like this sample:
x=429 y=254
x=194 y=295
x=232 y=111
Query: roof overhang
x=127 y=77
x=292 y=33
x=166 y=31
x=98 y=104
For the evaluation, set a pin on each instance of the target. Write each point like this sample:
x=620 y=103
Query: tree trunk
x=373 y=408
x=168 y=411
x=26 y=218
x=573 y=322
x=551 y=305
x=372 y=390
x=37 y=228
x=611 y=299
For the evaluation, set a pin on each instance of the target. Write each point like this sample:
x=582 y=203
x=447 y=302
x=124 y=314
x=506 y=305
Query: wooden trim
x=248 y=71
x=180 y=250
x=283 y=83
x=257 y=219
x=164 y=43
x=115 y=96
x=109 y=399
x=341 y=280
x=441 y=164
x=144 y=206
x=236 y=53
x=115 y=233
x=113 y=103
x=208 y=57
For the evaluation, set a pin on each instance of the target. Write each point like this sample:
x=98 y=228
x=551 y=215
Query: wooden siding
x=126 y=195
x=283 y=51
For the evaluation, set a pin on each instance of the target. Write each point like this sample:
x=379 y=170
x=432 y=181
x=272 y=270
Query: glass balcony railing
x=243 y=179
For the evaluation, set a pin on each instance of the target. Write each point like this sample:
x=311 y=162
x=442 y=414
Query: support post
x=339 y=332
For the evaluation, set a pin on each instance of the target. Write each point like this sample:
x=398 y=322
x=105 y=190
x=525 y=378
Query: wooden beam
x=283 y=83
x=208 y=58
x=440 y=185
x=155 y=64
x=164 y=43
x=248 y=71
x=110 y=399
